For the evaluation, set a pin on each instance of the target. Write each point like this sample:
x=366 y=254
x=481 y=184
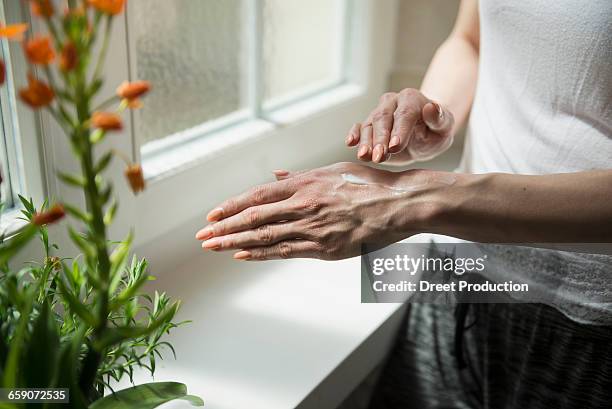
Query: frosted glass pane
x=302 y=44
x=193 y=53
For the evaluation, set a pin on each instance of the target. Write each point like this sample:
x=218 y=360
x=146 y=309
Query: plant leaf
x=76 y=305
x=41 y=352
x=116 y=335
x=104 y=162
x=146 y=396
x=10 y=247
x=71 y=180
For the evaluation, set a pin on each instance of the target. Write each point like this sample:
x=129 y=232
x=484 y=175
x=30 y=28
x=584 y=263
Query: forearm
x=451 y=78
x=560 y=208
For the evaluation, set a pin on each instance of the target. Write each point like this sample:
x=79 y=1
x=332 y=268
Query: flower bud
x=107 y=121
x=110 y=7
x=42 y=8
x=133 y=90
x=37 y=94
x=13 y=31
x=69 y=57
x=49 y=216
x=38 y=50
x=135 y=177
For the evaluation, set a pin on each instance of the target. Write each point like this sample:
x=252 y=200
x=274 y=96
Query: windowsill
x=274 y=335
x=11 y=222
x=196 y=149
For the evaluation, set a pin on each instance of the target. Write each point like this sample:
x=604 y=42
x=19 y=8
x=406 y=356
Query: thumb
x=281 y=174
x=438 y=118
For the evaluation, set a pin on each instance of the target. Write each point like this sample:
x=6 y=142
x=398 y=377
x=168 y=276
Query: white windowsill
x=11 y=222
x=165 y=159
x=274 y=335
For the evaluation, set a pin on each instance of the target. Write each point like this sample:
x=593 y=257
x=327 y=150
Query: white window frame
x=23 y=130
x=184 y=182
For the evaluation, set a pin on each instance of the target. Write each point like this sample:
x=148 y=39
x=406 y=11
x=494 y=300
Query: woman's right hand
x=406 y=126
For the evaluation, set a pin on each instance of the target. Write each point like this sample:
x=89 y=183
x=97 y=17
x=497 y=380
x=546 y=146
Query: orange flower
x=69 y=57
x=133 y=90
x=111 y=7
x=13 y=31
x=135 y=177
x=2 y=72
x=39 y=50
x=42 y=8
x=37 y=94
x=49 y=216
x=107 y=121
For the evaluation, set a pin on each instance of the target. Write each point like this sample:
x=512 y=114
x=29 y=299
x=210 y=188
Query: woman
x=536 y=77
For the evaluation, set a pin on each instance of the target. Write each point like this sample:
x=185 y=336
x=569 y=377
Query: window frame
x=24 y=129
x=257 y=109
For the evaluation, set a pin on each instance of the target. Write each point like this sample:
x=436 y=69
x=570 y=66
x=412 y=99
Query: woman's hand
x=407 y=125
x=324 y=213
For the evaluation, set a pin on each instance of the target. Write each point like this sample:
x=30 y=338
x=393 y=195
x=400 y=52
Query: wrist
x=443 y=202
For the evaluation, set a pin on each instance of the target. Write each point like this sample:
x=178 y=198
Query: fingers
x=265 y=235
x=354 y=135
x=438 y=119
x=269 y=193
x=406 y=116
x=281 y=250
x=382 y=123
x=364 y=151
x=247 y=219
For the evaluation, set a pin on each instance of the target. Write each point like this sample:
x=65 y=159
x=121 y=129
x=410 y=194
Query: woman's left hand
x=324 y=213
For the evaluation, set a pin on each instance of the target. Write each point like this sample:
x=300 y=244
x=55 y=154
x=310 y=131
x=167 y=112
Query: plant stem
x=102 y=55
x=97 y=233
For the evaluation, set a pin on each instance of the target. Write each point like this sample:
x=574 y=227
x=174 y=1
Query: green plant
x=81 y=322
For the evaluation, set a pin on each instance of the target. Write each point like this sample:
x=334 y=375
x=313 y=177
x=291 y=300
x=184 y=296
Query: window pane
x=192 y=52
x=302 y=45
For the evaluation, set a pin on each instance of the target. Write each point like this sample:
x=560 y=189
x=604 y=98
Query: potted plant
x=80 y=322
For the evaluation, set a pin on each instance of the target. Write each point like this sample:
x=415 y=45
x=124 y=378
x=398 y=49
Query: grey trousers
x=512 y=355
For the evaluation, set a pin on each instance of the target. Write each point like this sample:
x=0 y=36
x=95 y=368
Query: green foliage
x=82 y=322
x=146 y=396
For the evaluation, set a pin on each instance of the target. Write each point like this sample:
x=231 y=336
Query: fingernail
x=212 y=244
x=439 y=109
x=205 y=233
x=394 y=142
x=349 y=139
x=280 y=172
x=378 y=153
x=363 y=151
x=242 y=255
x=215 y=214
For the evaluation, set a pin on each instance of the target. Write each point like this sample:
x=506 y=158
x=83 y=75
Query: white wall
x=422 y=26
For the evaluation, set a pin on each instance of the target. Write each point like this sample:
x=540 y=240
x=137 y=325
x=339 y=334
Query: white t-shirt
x=543 y=105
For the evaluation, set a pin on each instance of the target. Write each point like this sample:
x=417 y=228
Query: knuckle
x=285 y=250
x=258 y=254
x=409 y=93
x=227 y=242
x=229 y=205
x=264 y=234
x=310 y=204
x=258 y=194
x=218 y=228
x=387 y=95
x=381 y=115
x=405 y=110
x=252 y=217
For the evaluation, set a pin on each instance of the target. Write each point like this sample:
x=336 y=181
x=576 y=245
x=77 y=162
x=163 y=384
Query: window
x=21 y=139
x=12 y=176
x=219 y=63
